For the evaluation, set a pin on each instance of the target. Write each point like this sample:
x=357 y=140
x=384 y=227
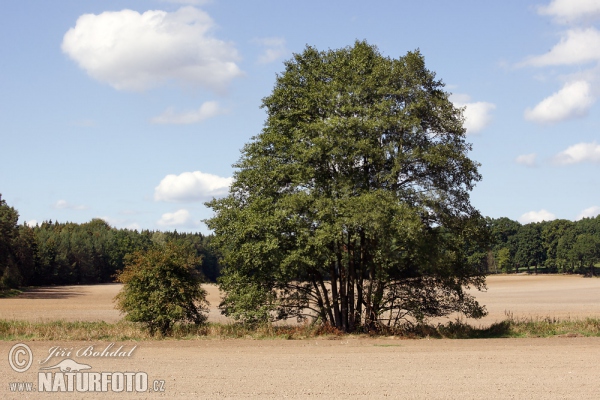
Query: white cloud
x=274 y=49
x=207 y=110
x=31 y=223
x=572 y=101
x=477 y=114
x=589 y=212
x=121 y=223
x=527 y=159
x=133 y=51
x=134 y=226
x=180 y=218
x=65 y=205
x=579 y=153
x=566 y=11
x=536 y=216
x=191 y=186
x=577 y=46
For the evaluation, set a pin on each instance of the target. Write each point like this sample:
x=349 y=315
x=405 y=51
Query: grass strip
x=9 y=293
x=11 y=330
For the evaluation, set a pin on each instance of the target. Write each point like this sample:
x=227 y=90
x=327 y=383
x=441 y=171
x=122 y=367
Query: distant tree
x=503 y=259
x=552 y=232
x=530 y=251
x=503 y=233
x=565 y=254
x=25 y=250
x=9 y=273
x=586 y=250
x=502 y=230
x=352 y=204
x=162 y=287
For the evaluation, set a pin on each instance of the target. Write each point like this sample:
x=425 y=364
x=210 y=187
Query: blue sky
x=134 y=111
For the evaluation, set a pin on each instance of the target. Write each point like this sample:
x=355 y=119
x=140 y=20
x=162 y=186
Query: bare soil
x=554 y=368
x=523 y=296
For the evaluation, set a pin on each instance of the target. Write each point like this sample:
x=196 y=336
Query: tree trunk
x=343 y=297
x=351 y=280
x=327 y=302
x=335 y=297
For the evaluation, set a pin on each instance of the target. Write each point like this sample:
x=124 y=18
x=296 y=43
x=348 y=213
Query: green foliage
x=530 y=251
x=162 y=287
x=53 y=253
x=352 y=204
x=502 y=257
x=9 y=234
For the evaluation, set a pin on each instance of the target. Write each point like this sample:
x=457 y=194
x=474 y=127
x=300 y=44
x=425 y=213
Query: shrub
x=162 y=287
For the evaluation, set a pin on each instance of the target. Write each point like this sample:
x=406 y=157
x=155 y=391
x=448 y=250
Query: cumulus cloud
x=31 y=223
x=179 y=218
x=207 y=110
x=65 y=205
x=274 y=49
x=536 y=216
x=577 y=46
x=579 y=153
x=133 y=51
x=567 y=11
x=572 y=101
x=121 y=223
x=527 y=159
x=191 y=186
x=477 y=114
x=589 y=212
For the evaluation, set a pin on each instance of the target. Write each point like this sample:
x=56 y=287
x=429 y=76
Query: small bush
x=162 y=287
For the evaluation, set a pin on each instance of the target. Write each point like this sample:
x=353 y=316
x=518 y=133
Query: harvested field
x=553 y=368
x=556 y=368
x=524 y=296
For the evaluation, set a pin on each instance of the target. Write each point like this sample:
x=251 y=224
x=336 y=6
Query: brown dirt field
x=539 y=296
x=554 y=368
x=524 y=296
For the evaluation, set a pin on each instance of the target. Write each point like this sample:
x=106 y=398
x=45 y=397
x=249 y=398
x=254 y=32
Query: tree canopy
x=352 y=204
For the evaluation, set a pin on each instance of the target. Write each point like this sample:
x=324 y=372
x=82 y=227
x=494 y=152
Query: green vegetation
x=558 y=246
x=10 y=293
x=352 y=204
x=350 y=208
x=124 y=330
x=162 y=288
x=55 y=253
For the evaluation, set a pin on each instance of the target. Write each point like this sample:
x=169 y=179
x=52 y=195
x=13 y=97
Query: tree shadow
x=54 y=292
x=455 y=330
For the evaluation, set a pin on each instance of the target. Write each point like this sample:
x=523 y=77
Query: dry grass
x=123 y=330
x=120 y=331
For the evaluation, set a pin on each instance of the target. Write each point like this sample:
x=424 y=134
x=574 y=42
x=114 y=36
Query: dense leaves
x=352 y=204
x=162 y=287
x=549 y=246
x=55 y=253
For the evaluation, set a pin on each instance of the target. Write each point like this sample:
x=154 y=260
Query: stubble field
x=558 y=367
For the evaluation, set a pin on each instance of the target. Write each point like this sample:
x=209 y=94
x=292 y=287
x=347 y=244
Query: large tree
x=352 y=204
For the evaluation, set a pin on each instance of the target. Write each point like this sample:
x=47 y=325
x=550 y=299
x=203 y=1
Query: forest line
x=63 y=253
